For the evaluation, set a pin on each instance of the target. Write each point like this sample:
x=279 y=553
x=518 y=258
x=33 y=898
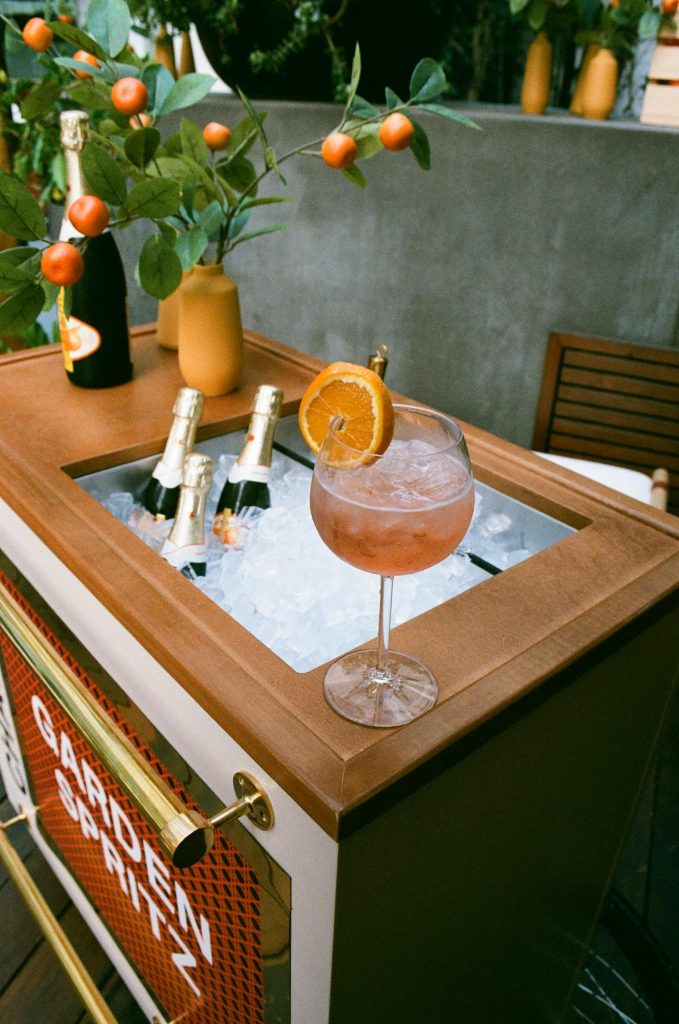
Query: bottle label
x=166 y=476
x=184 y=554
x=258 y=474
x=78 y=339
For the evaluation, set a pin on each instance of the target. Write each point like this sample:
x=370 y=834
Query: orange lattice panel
x=193 y=935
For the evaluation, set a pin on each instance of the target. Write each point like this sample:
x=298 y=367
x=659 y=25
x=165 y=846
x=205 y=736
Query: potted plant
x=197 y=188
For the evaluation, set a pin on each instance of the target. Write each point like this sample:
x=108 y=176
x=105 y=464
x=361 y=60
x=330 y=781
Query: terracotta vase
x=209 y=331
x=164 y=51
x=601 y=86
x=576 y=101
x=537 y=75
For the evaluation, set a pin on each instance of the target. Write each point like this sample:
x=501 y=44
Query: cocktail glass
x=391 y=514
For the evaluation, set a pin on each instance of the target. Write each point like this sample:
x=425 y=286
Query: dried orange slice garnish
x=359 y=396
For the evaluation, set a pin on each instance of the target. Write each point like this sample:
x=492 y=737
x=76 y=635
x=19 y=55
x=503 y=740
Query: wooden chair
x=608 y=402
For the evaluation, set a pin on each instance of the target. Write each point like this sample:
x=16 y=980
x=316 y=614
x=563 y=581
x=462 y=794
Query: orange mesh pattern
x=167 y=943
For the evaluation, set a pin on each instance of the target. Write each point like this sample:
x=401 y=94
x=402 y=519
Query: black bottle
x=95 y=335
x=161 y=493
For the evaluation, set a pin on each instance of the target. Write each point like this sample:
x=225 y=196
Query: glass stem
x=386 y=588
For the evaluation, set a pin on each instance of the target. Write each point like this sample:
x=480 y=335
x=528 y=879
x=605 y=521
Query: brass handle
x=52 y=930
x=185 y=835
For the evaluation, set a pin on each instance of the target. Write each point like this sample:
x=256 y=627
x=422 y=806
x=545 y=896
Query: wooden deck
x=34 y=989
x=33 y=986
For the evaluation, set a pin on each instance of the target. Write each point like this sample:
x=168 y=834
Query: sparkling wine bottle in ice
x=94 y=331
x=161 y=493
x=247 y=485
x=186 y=547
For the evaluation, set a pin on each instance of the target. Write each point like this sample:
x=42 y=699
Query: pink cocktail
x=391 y=514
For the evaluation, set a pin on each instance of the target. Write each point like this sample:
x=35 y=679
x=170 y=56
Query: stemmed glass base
x=401 y=689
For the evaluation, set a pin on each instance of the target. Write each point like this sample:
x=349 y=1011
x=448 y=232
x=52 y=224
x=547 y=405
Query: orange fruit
x=339 y=150
x=65 y=19
x=89 y=215
x=129 y=96
x=359 y=396
x=396 y=132
x=141 y=121
x=216 y=135
x=62 y=264
x=85 y=58
x=669 y=7
x=37 y=34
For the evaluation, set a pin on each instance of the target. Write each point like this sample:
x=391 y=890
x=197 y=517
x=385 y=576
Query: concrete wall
x=530 y=225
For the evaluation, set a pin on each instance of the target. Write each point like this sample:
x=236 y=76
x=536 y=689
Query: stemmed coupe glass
x=391 y=514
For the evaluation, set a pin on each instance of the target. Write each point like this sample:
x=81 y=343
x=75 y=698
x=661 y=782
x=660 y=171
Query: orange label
x=78 y=339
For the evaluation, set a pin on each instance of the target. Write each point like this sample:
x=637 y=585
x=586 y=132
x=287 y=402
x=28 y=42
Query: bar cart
x=243 y=854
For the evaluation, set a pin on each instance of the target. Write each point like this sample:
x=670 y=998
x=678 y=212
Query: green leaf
x=271 y=160
x=649 y=23
x=20 y=213
x=159 y=269
x=427 y=82
x=420 y=147
x=265 y=201
x=355 y=77
x=193 y=143
x=12 y=275
x=109 y=22
x=21 y=310
x=40 y=99
x=103 y=174
x=257 y=121
x=50 y=293
x=516 y=6
x=355 y=176
x=211 y=218
x=367 y=141
x=155 y=197
x=360 y=108
x=244 y=136
x=159 y=82
x=169 y=167
x=141 y=144
x=536 y=14
x=19 y=255
x=80 y=65
x=190 y=246
x=78 y=38
x=239 y=173
x=237 y=223
x=453 y=115
x=202 y=175
x=260 y=231
x=86 y=94
x=392 y=99
x=186 y=91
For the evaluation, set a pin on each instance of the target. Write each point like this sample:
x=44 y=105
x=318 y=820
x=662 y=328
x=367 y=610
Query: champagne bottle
x=186 y=548
x=378 y=360
x=94 y=333
x=247 y=485
x=161 y=494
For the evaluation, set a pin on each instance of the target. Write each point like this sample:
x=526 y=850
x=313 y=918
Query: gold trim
x=51 y=929
x=184 y=835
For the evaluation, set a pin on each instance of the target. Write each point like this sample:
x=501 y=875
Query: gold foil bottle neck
x=378 y=360
x=197 y=472
x=189 y=404
x=74 y=129
x=268 y=401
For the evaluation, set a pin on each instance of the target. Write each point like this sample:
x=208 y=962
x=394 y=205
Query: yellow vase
x=187 y=64
x=576 y=101
x=537 y=75
x=210 y=333
x=167 y=327
x=601 y=86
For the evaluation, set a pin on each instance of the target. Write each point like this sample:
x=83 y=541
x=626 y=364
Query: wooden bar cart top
x=488 y=647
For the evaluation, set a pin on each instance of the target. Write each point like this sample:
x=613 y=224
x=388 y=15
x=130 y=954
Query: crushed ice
x=292 y=593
